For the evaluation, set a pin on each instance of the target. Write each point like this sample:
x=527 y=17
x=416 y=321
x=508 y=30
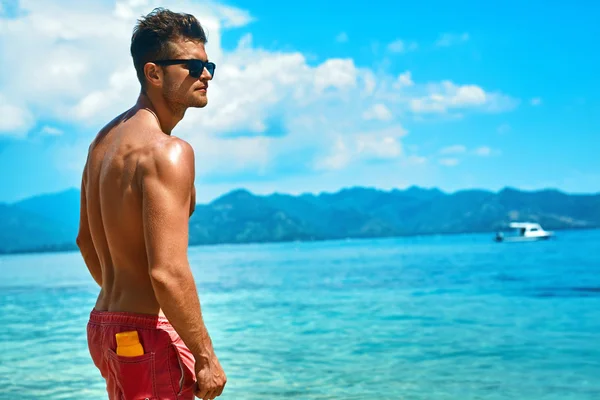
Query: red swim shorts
x=165 y=371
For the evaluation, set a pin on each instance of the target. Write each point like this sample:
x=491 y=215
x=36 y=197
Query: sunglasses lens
x=211 y=68
x=196 y=68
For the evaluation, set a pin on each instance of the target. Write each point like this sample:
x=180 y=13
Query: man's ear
x=153 y=74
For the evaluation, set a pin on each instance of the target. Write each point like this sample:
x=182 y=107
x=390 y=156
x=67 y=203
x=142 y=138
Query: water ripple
x=427 y=319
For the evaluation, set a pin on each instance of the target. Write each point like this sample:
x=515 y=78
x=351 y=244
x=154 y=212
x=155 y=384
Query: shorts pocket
x=182 y=378
x=134 y=376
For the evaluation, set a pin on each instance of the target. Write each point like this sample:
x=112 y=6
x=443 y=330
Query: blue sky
x=315 y=96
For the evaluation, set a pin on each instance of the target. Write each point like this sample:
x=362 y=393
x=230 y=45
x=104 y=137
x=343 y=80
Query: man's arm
x=167 y=183
x=84 y=237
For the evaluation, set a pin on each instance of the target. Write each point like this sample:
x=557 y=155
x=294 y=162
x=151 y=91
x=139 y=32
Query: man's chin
x=198 y=104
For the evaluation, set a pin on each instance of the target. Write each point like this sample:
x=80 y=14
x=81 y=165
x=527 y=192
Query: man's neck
x=167 y=118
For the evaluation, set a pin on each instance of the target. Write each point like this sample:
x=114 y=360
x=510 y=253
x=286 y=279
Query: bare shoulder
x=169 y=160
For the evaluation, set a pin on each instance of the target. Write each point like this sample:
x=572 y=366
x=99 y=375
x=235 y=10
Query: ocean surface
x=433 y=317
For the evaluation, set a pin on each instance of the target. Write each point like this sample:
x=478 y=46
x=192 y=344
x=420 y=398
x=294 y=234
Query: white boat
x=525 y=232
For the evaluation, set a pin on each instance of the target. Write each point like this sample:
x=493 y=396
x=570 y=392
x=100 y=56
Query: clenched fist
x=210 y=378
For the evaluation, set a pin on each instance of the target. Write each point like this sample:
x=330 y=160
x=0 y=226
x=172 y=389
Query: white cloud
x=378 y=112
x=103 y=103
x=400 y=46
x=447 y=95
x=233 y=17
x=254 y=85
x=404 y=80
x=335 y=73
x=483 y=151
x=87 y=54
x=264 y=106
x=228 y=155
x=51 y=131
x=384 y=144
x=370 y=145
x=451 y=39
x=14 y=120
x=342 y=37
x=338 y=159
x=468 y=94
x=382 y=147
x=536 y=101
x=455 y=149
x=397 y=46
x=449 y=162
x=370 y=82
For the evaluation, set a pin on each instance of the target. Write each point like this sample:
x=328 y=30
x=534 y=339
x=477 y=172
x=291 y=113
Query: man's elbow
x=79 y=241
x=165 y=276
x=160 y=276
x=84 y=242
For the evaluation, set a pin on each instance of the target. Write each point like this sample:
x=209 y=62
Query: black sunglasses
x=195 y=66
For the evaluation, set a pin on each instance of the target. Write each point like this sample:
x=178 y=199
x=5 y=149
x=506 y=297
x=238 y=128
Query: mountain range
x=50 y=222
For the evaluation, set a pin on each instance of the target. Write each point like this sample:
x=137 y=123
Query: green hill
x=49 y=222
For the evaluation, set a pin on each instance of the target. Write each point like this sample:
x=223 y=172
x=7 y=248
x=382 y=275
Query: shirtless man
x=137 y=195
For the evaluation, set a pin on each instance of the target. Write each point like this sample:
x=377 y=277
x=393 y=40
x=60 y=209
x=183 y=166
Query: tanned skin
x=137 y=194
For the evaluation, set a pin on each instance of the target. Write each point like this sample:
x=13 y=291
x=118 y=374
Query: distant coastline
x=68 y=248
x=49 y=223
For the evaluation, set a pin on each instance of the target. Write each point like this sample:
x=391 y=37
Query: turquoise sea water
x=440 y=317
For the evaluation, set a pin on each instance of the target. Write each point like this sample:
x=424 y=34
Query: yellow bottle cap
x=127 y=338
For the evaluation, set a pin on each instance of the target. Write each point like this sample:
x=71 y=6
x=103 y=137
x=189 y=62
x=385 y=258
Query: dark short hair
x=154 y=32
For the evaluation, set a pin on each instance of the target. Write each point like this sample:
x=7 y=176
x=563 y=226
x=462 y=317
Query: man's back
x=120 y=159
x=137 y=196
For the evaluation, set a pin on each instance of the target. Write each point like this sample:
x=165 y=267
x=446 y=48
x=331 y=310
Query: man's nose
x=205 y=75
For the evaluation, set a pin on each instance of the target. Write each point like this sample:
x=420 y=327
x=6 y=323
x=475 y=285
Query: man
x=137 y=196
